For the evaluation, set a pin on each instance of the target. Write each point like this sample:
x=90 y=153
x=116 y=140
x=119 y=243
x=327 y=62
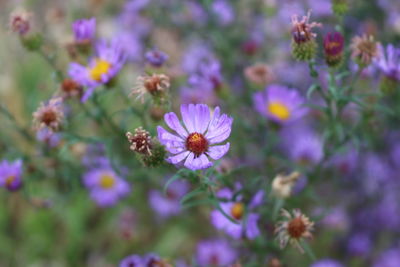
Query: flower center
x=9 y=180
x=48 y=117
x=296 y=228
x=237 y=210
x=196 y=143
x=100 y=68
x=107 y=181
x=279 y=110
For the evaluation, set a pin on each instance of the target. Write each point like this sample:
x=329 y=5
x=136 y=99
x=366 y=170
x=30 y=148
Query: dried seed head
x=140 y=141
x=20 y=22
x=282 y=185
x=155 y=85
x=364 y=49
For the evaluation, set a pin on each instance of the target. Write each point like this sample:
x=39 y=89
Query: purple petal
x=173 y=122
x=178 y=158
x=200 y=162
x=202 y=118
x=217 y=152
x=188 y=117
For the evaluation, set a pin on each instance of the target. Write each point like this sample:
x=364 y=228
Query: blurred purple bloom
x=320 y=7
x=377 y=172
x=131 y=45
x=223 y=11
x=48 y=137
x=132 y=261
x=207 y=76
x=135 y=6
x=238 y=226
x=198 y=140
x=389 y=61
x=215 y=253
x=257 y=200
x=84 y=30
x=95 y=156
x=105 y=186
x=280 y=104
x=168 y=204
x=337 y=218
x=359 y=244
x=389 y=258
x=194 y=55
x=327 y=263
x=198 y=95
x=156 y=58
x=11 y=174
x=346 y=163
x=108 y=61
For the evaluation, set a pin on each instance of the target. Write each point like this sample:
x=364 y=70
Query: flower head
x=84 y=30
x=132 y=261
x=293 y=228
x=155 y=85
x=333 y=48
x=48 y=137
x=156 y=58
x=20 y=22
x=197 y=141
x=105 y=186
x=280 y=104
x=327 y=263
x=388 y=61
x=215 y=253
x=301 y=29
x=282 y=185
x=70 y=88
x=50 y=114
x=11 y=174
x=259 y=74
x=364 y=49
x=140 y=141
x=107 y=62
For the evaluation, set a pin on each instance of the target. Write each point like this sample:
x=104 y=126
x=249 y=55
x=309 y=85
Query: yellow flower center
x=237 y=210
x=107 y=181
x=279 y=110
x=100 y=67
x=9 y=180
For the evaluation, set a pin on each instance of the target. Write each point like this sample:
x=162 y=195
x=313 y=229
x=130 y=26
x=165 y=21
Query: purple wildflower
x=168 y=204
x=389 y=258
x=327 y=263
x=105 y=186
x=223 y=11
x=389 y=61
x=132 y=261
x=48 y=137
x=84 y=30
x=156 y=58
x=359 y=244
x=215 y=253
x=11 y=174
x=280 y=104
x=101 y=69
x=198 y=140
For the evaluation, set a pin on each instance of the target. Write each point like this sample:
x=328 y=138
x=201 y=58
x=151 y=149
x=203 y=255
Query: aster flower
x=105 y=186
x=388 y=258
x=107 y=62
x=48 y=137
x=84 y=30
x=11 y=174
x=388 y=61
x=49 y=114
x=20 y=22
x=156 y=58
x=223 y=11
x=168 y=204
x=327 y=263
x=215 y=253
x=280 y=104
x=333 y=48
x=241 y=226
x=197 y=141
x=282 y=185
x=259 y=74
x=364 y=49
x=132 y=261
x=155 y=85
x=293 y=228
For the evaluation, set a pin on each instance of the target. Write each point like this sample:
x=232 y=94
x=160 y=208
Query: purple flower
x=359 y=244
x=48 y=137
x=389 y=62
x=389 y=258
x=223 y=11
x=168 y=204
x=105 y=186
x=11 y=174
x=84 y=30
x=156 y=58
x=327 y=263
x=132 y=261
x=215 y=253
x=239 y=225
x=107 y=62
x=197 y=141
x=280 y=104
x=346 y=163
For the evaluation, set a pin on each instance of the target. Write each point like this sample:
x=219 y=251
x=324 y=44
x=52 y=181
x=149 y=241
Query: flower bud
x=282 y=185
x=333 y=48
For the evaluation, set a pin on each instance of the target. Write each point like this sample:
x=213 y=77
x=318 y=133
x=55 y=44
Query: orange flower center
x=107 y=181
x=296 y=228
x=279 y=110
x=100 y=68
x=9 y=180
x=196 y=143
x=237 y=210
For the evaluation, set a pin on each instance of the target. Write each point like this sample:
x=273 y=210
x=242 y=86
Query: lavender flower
x=215 y=253
x=156 y=58
x=389 y=258
x=223 y=11
x=197 y=141
x=326 y=263
x=388 y=61
x=11 y=174
x=132 y=261
x=280 y=104
x=48 y=137
x=105 y=186
x=84 y=30
x=107 y=62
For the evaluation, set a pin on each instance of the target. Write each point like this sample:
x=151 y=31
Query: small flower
x=282 y=185
x=20 y=22
x=303 y=39
x=198 y=141
x=364 y=49
x=132 y=261
x=84 y=30
x=333 y=48
x=388 y=62
x=280 y=104
x=327 y=263
x=106 y=64
x=215 y=253
x=105 y=186
x=70 y=88
x=49 y=114
x=259 y=74
x=156 y=58
x=155 y=85
x=295 y=227
x=48 y=137
x=11 y=174
x=140 y=141
x=153 y=260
